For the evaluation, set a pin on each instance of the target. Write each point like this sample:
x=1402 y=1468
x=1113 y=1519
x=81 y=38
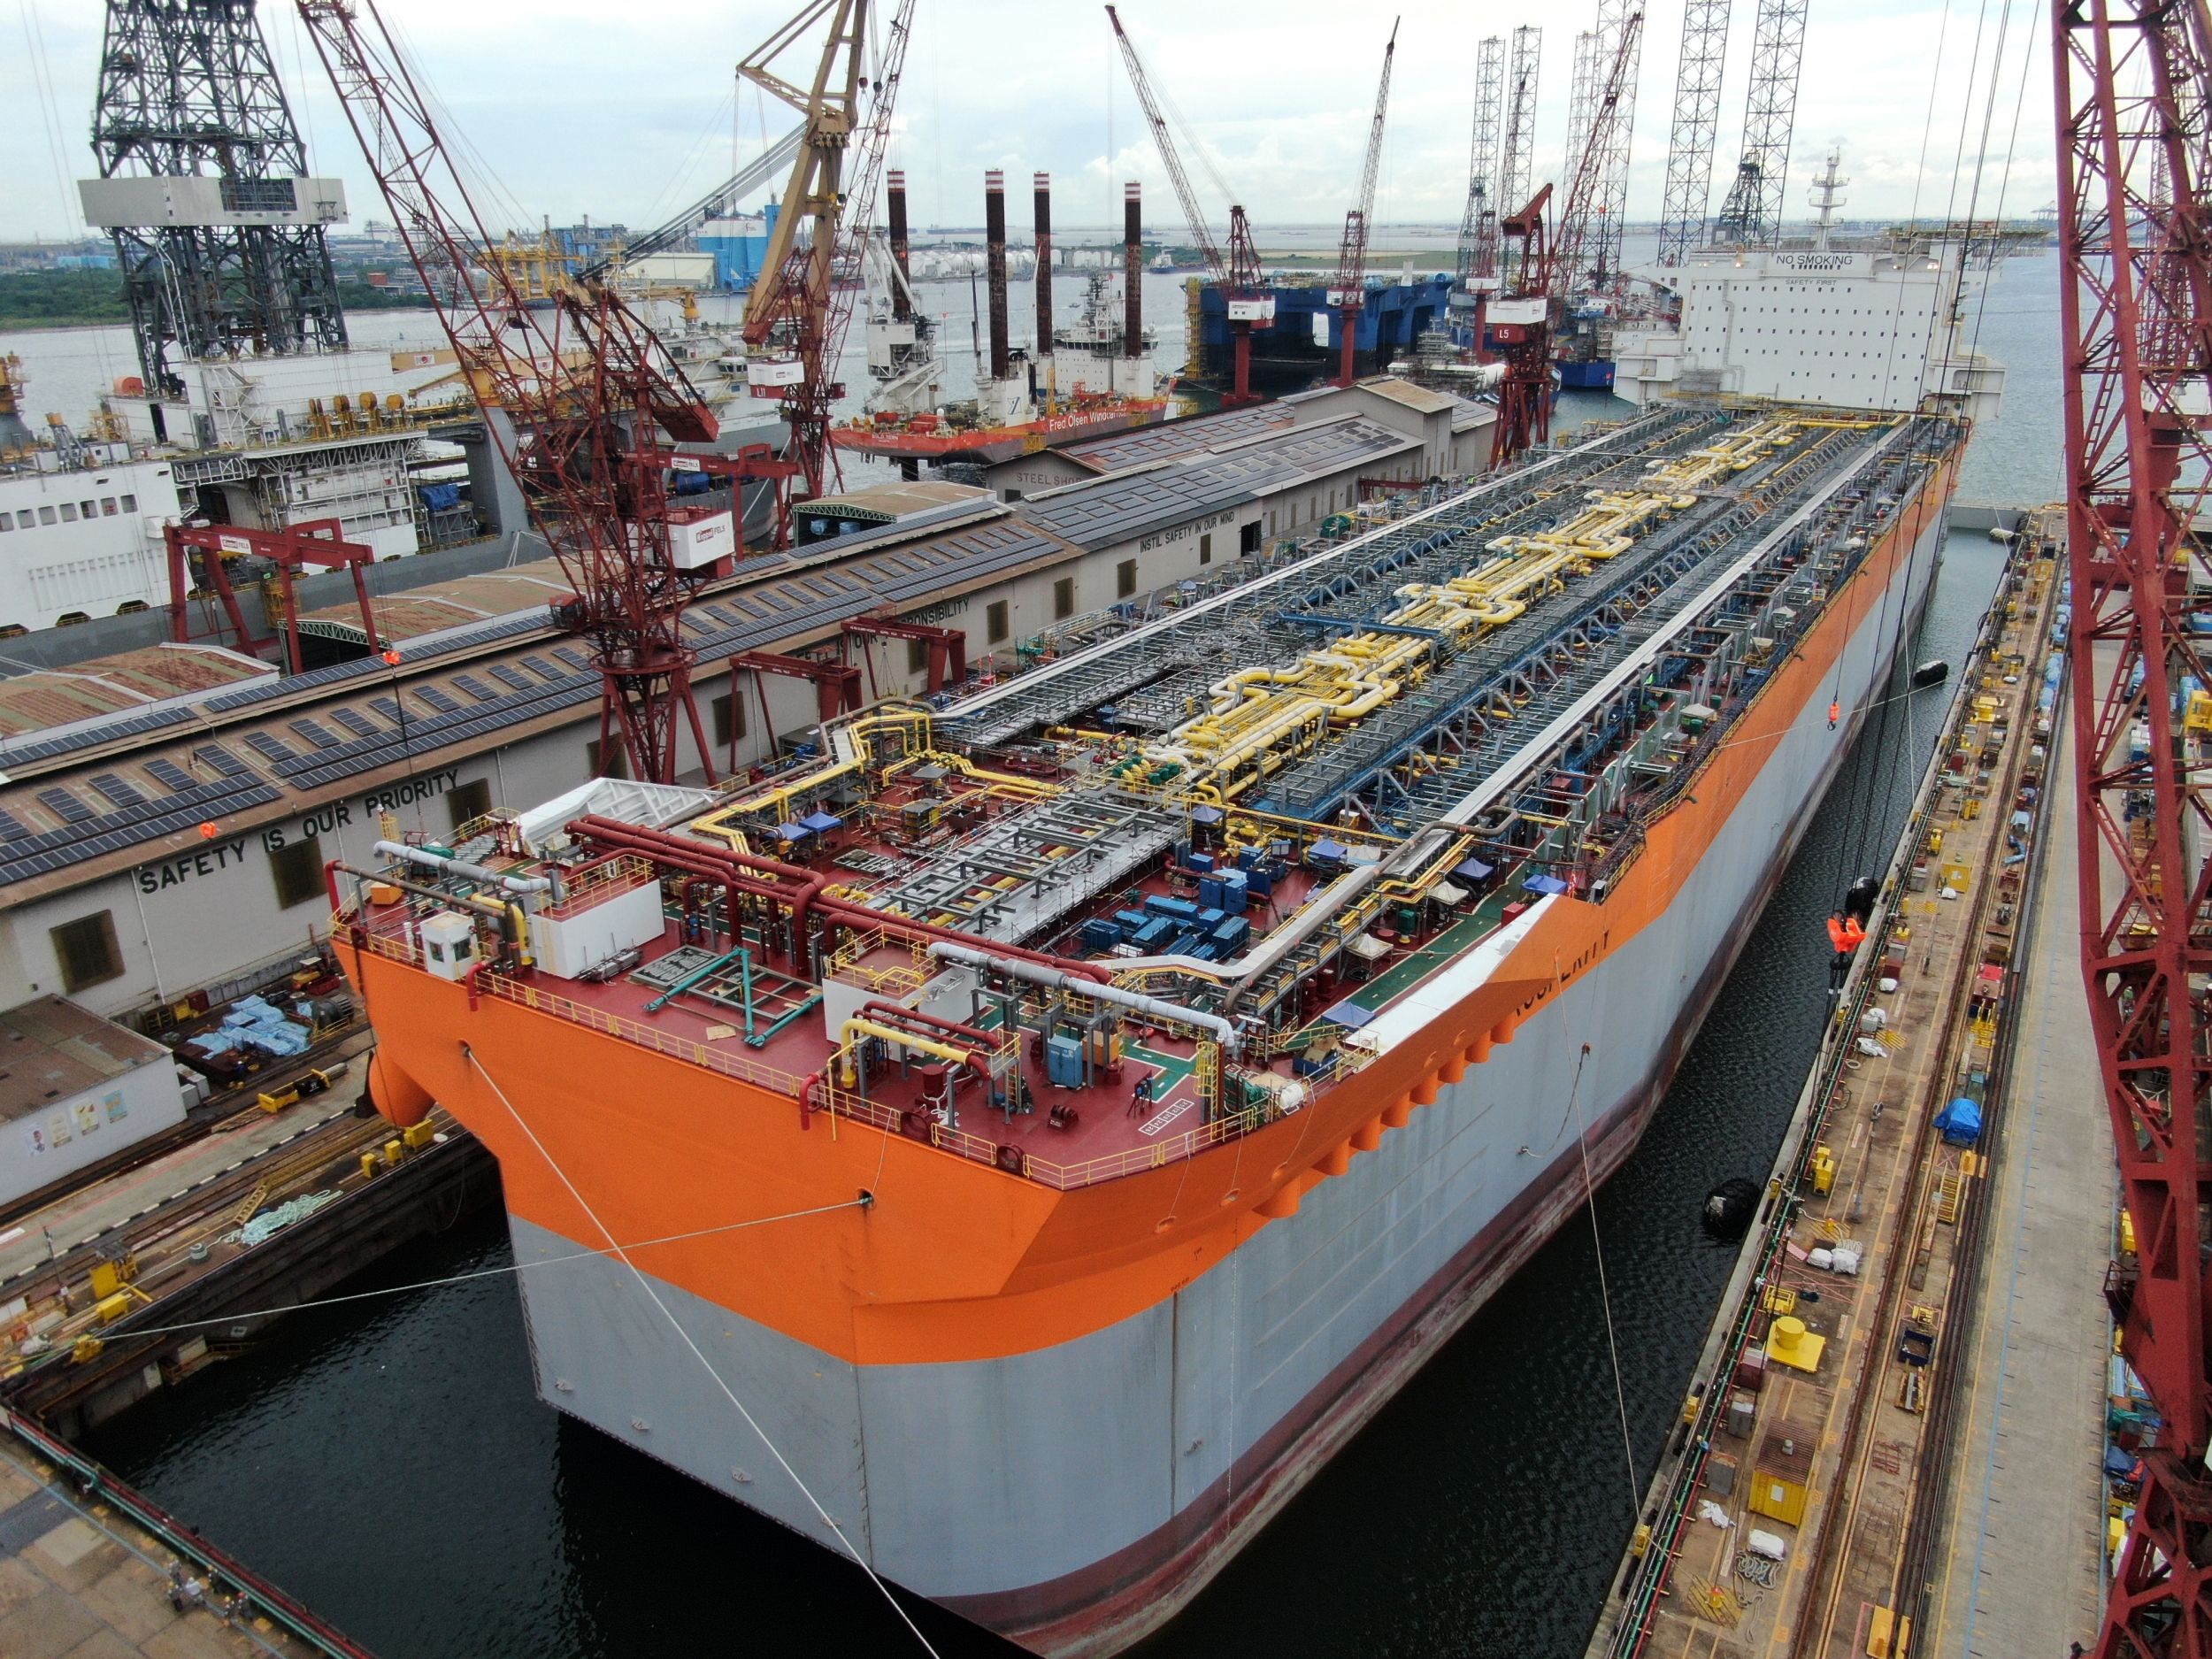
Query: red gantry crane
x=1350 y=297
x=1249 y=303
x=1542 y=266
x=2134 y=113
x=584 y=404
x=795 y=318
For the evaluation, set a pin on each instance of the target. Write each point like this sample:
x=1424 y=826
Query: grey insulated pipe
x=1052 y=978
x=455 y=867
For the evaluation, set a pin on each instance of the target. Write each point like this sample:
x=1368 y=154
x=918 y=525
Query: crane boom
x=2134 y=117
x=1351 y=259
x=1163 y=140
x=579 y=396
x=795 y=318
x=1610 y=104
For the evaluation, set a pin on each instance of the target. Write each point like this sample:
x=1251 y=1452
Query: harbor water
x=385 y=1460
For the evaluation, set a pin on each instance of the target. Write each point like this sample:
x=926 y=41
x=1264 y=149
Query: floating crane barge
x=1063 y=1117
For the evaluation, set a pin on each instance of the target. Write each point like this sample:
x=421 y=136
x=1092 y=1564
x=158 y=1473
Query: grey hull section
x=1074 y=1496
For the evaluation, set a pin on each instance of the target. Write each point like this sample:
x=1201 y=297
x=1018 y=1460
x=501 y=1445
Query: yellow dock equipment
x=1782 y=1474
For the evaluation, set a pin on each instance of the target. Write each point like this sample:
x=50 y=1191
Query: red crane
x=794 y=320
x=2134 y=115
x=1350 y=294
x=1249 y=304
x=1544 y=266
x=581 y=398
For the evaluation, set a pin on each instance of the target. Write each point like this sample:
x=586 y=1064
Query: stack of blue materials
x=1099 y=935
x=1129 y=921
x=253 y=1021
x=1176 y=909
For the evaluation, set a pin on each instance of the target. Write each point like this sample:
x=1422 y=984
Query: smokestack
x=1044 y=264
x=995 y=255
x=901 y=308
x=1133 y=270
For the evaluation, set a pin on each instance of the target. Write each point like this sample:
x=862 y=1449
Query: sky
x=626 y=112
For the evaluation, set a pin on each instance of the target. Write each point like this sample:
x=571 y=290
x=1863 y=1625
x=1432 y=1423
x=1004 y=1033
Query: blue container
x=1159 y=904
x=1100 y=934
x=1063 y=1062
x=1210 y=892
x=1231 y=935
x=1129 y=921
x=1202 y=862
x=1235 y=892
x=1259 y=883
x=1152 y=932
x=1208 y=920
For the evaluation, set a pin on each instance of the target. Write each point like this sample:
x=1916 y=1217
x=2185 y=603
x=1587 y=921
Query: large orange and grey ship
x=1023 y=1141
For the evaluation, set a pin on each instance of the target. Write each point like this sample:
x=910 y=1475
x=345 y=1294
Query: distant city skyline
x=574 y=109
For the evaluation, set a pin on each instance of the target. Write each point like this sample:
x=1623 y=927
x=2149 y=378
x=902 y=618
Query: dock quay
x=138 y=1272
x=1836 y=1485
x=92 y=1569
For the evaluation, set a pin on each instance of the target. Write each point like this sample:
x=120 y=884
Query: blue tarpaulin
x=1349 y=1014
x=1961 y=1121
x=1545 y=884
x=437 y=497
x=792 y=832
x=1472 y=870
x=1330 y=850
x=1206 y=815
x=820 y=823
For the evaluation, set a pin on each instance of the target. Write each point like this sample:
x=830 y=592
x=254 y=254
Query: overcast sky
x=623 y=112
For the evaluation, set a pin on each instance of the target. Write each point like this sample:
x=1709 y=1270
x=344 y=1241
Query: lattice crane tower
x=1751 y=215
x=1610 y=202
x=1518 y=155
x=1478 y=226
x=233 y=264
x=1689 y=189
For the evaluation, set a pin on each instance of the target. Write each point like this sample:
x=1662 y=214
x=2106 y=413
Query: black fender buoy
x=1729 y=1208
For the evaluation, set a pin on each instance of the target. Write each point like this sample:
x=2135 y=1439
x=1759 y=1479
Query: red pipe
x=899 y=1011
x=685 y=853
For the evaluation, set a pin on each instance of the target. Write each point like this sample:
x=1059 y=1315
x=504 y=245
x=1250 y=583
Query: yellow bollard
x=369 y=1165
x=392 y=1152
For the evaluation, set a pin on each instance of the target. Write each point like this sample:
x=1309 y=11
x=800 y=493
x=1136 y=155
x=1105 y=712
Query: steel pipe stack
x=995 y=257
x=1132 y=268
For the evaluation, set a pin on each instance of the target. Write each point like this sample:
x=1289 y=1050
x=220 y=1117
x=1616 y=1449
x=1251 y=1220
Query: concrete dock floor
x=77 y=1581
x=2021 y=1560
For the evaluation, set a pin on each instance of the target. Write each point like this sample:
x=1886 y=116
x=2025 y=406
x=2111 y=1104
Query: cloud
x=623 y=112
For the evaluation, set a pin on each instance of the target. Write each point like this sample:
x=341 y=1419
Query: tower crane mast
x=579 y=396
x=1350 y=297
x=1752 y=214
x=1479 y=225
x=795 y=317
x=1697 y=81
x=1524 y=318
x=2134 y=116
x=1238 y=274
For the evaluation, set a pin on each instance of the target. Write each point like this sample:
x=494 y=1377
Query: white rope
x=488 y=1272
x=646 y=1285
x=1605 y=1295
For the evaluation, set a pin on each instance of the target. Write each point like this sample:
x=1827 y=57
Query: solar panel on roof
x=388 y=707
x=66 y=806
x=355 y=722
x=475 y=687
x=12 y=828
x=267 y=746
x=510 y=676
x=436 y=699
x=575 y=659
x=116 y=790
x=218 y=758
x=170 y=775
x=321 y=736
x=540 y=667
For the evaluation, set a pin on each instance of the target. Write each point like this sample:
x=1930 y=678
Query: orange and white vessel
x=1023 y=1144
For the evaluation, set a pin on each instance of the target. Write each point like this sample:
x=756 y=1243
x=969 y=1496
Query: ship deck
x=1147 y=1101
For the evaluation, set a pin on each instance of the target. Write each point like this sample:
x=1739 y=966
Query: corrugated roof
x=1417 y=397
x=130 y=680
x=416 y=612
x=1173 y=438
x=1110 y=510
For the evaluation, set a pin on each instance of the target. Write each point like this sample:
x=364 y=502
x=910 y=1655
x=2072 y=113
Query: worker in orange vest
x=1845 y=934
